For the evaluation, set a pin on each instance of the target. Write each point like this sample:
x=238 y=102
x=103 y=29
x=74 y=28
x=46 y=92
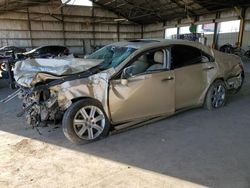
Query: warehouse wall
x=246 y=34
x=153 y=31
x=158 y=30
x=70 y=25
x=73 y=26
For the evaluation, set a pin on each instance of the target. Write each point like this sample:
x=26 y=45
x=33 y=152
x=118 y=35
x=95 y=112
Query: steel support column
x=118 y=31
x=242 y=26
x=63 y=27
x=93 y=26
x=30 y=29
x=142 y=31
x=216 y=32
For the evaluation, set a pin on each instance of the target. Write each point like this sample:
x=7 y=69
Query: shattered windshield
x=111 y=55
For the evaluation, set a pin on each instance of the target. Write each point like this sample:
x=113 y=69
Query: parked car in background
x=9 y=50
x=49 y=51
x=126 y=83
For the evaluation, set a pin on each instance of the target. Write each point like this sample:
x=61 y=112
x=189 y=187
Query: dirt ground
x=197 y=148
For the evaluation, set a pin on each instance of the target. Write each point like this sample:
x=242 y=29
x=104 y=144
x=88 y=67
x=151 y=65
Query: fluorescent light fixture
x=120 y=19
x=78 y=2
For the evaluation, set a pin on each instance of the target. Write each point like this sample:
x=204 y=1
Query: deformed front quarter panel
x=95 y=87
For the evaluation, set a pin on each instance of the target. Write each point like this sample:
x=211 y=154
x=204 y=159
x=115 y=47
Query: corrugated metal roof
x=143 y=11
x=10 y=5
x=151 y=11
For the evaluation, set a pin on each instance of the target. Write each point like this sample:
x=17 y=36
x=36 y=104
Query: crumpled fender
x=95 y=86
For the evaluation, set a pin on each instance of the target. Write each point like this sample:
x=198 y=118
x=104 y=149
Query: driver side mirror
x=127 y=72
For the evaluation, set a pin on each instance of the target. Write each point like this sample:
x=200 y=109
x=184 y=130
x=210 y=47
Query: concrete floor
x=193 y=149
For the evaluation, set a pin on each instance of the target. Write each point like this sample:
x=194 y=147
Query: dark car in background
x=9 y=50
x=45 y=52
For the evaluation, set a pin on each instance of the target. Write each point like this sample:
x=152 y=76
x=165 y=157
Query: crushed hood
x=31 y=71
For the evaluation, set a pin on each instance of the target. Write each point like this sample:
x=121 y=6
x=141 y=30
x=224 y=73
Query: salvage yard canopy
x=142 y=11
x=151 y=11
x=11 y=5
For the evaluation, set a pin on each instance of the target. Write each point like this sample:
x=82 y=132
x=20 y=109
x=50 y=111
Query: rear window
x=183 y=55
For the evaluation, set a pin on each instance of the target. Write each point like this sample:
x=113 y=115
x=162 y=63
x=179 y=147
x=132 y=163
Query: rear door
x=190 y=66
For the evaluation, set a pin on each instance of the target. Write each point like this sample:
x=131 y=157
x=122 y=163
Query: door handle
x=167 y=79
x=208 y=68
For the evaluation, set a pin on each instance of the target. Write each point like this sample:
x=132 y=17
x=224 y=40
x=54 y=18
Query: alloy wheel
x=218 y=96
x=89 y=122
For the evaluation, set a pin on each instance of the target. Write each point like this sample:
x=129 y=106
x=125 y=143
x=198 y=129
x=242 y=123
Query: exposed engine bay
x=40 y=107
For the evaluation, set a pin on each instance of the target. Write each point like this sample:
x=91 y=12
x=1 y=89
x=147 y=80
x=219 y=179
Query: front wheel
x=85 y=121
x=216 y=95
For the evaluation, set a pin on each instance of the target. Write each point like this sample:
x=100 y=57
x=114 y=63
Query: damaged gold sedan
x=125 y=83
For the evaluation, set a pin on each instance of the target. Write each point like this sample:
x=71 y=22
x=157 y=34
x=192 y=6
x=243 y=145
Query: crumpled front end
x=47 y=95
x=30 y=72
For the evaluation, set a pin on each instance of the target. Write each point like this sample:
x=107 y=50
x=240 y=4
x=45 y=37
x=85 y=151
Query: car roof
x=46 y=46
x=148 y=43
x=4 y=47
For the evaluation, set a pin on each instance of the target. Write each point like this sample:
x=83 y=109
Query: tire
x=216 y=95
x=85 y=121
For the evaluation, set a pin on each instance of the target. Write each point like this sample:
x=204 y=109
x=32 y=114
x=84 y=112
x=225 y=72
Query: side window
x=42 y=50
x=53 y=50
x=56 y=50
x=185 y=55
x=147 y=62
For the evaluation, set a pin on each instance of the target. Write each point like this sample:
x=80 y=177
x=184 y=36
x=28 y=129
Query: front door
x=148 y=91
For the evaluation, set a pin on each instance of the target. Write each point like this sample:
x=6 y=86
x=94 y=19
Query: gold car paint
x=190 y=83
x=95 y=87
x=228 y=65
x=145 y=96
x=132 y=102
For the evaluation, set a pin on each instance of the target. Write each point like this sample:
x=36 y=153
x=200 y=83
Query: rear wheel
x=216 y=95
x=85 y=121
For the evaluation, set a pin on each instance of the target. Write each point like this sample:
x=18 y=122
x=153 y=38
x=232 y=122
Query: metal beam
x=118 y=31
x=183 y=7
x=142 y=31
x=216 y=32
x=242 y=26
x=63 y=27
x=112 y=10
x=93 y=25
x=30 y=29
